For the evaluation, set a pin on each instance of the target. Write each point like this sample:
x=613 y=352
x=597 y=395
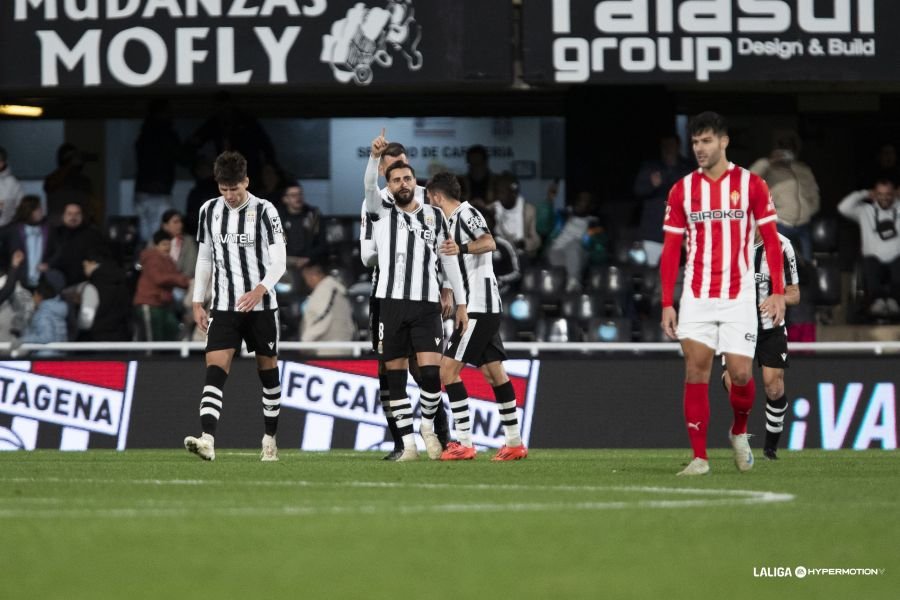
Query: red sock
x=696 y=416
x=741 y=398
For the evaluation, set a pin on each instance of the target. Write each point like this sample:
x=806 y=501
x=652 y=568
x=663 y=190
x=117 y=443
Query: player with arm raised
x=410 y=239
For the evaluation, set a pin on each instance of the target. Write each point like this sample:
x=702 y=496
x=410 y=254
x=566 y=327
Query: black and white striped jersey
x=239 y=241
x=764 y=279
x=367 y=249
x=407 y=244
x=482 y=292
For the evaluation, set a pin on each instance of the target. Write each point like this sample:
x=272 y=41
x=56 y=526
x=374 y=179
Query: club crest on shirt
x=250 y=217
x=429 y=220
x=735 y=198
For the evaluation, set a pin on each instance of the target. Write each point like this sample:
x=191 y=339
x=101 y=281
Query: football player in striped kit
x=478 y=344
x=393 y=152
x=242 y=254
x=771 y=340
x=716 y=209
x=411 y=241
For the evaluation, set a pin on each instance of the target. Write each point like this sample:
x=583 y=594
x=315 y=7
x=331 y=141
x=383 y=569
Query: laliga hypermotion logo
x=372 y=35
x=62 y=404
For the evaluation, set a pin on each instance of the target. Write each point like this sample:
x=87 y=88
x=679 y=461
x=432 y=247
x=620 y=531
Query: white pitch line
x=712 y=497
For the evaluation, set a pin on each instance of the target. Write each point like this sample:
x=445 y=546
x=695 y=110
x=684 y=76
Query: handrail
x=357 y=349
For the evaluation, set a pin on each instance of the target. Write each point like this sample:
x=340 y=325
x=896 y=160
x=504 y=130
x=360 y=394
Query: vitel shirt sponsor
x=64 y=403
x=345 y=392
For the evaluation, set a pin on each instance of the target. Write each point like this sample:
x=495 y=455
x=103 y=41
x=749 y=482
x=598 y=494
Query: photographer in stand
x=876 y=213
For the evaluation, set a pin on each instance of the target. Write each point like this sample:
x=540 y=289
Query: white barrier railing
x=357 y=349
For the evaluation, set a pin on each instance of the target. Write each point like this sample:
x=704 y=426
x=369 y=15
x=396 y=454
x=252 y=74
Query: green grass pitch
x=563 y=524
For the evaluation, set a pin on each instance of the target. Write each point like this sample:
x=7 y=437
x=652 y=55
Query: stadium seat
x=558 y=330
x=343 y=274
x=338 y=230
x=824 y=232
x=547 y=282
x=650 y=331
x=616 y=329
x=828 y=283
x=508 y=330
x=581 y=307
x=523 y=311
x=359 y=304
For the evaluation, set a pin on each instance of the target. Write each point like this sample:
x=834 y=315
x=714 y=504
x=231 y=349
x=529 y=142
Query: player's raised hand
x=379 y=144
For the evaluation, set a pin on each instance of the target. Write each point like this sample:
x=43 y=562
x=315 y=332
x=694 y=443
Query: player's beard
x=402 y=199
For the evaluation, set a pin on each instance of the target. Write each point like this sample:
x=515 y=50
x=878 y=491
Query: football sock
x=775 y=411
x=429 y=394
x=459 y=405
x=384 y=395
x=400 y=405
x=506 y=404
x=271 y=399
x=741 y=398
x=696 y=416
x=211 y=399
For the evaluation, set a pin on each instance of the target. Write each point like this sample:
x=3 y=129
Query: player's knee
x=448 y=372
x=430 y=378
x=774 y=388
x=740 y=376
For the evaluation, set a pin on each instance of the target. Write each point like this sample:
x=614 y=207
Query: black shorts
x=771 y=348
x=407 y=325
x=259 y=328
x=480 y=343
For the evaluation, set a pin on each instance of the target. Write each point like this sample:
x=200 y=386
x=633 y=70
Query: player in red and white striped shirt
x=715 y=210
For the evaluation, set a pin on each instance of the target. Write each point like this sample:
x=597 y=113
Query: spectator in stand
x=516 y=219
x=10 y=190
x=184 y=248
x=578 y=238
x=651 y=186
x=327 y=315
x=48 y=323
x=478 y=180
x=104 y=313
x=794 y=191
x=273 y=184
x=157 y=150
x=71 y=242
x=884 y=168
x=29 y=233
x=302 y=226
x=68 y=183
x=878 y=217
x=16 y=304
x=231 y=128
x=153 y=298
x=205 y=187
x=504 y=258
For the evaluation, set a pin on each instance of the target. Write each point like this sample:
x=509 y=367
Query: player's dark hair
x=398 y=165
x=445 y=183
x=394 y=149
x=230 y=168
x=161 y=235
x=708 y=121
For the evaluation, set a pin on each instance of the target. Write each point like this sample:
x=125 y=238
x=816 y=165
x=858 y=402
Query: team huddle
x=431 y=257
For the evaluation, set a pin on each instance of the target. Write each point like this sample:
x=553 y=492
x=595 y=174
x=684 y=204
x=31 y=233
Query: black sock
x=775 y=413
x=459 y=404
x=271 y=399
x=384 y=396
x=211 y=399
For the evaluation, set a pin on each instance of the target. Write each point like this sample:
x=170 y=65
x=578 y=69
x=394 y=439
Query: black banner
x=616 y=41
x=183 y=44
x=600 y=402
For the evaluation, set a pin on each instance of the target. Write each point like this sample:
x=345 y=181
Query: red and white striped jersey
x=719 y=218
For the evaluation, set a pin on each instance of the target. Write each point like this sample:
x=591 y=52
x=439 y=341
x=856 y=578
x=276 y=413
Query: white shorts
x=726 y=326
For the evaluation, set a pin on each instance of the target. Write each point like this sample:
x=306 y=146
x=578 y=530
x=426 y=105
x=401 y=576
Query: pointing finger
x=382 y=132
